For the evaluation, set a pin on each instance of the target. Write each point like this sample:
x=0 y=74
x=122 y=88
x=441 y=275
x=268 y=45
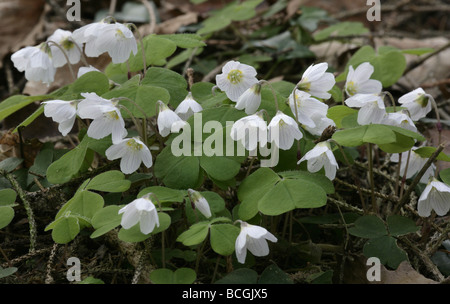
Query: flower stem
x=372 y=183
x=404 y=174
x=65 y=55
x=275 y=99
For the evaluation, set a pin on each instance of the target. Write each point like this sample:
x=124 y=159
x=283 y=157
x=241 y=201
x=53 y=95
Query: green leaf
x=240 y=276
x=105 y=220
x=389 y=64
x=4 y=272
x=289 y=194
x=173 y=82
x=144 y=96
x=134 y=234
x=166 y=276
x=386 y=249
x=84 y=203
x=17 y=102
x=274 y=275
x=185 y=40
x=337 y=113
x=252 y=189
x=221 y=168
x=164 y=194
x=445 y=176
x=347 y=28
x=318 y=179
x=426 y=152
x=157 y=49
x=223 y=238
x=195 y=234
x=400 y=225
x=6 y=215
x=7 y=197
x=368 y=227
x=91 y=82
x=110 y=181
x=10 y=164
x=91 y=280
x=418 y=51
x=177 y=172
x=65 y=229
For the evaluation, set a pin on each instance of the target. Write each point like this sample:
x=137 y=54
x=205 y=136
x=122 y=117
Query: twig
x=421 y=60
x=48 y=278
x=442 y=237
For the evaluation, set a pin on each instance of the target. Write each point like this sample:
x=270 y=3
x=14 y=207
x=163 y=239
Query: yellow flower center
x=112 y=115
x=235 y=76
x=422 y=100
x=351 y=88
x=67 y=44
x=305 y=85
x=134 y=145
x=120 y=34
x=281 y=123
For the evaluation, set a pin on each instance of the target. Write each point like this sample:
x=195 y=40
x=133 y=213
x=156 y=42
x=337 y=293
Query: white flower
x=166 y=118
x=321 y=122
x=236 y=77
x=359 y=82
x=307 y=106
x=415 y=164
x=142 y=211
x=250 y=130
x=118 y=40
x=316 y=81
x=88 y=34
x=132 y=152
x=417 y=102
x=37 y=63
x=200 y=203
x=250 y=100
x=64 y=40
x=188 y=107
x=399 y=119
x=63 y=112
x=84 y=70
x=436 y=196
x=372 y=109
x=106 y=116
x=283 y=130
x=254 y=238
x=321 y=156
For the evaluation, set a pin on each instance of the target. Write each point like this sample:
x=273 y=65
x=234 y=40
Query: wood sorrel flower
x=114 y=38
x=399 y=119
x=106 y=116
x=63 y=112
x=132 y=152
x=306 y=106
x=166 y=119
x=436 y=196
x=359 y=82
x=283 y=130
x=250 y=130
x=143 y=211
x=254 y=238
x=417 y=102
x=188 y=107
x=236 y=77
x=415 y=164
x=37 y=63
x=320 y=157
x=200 y=203
x=250 y=100
x=372 y=109
x=64 y=40
x=316 y=81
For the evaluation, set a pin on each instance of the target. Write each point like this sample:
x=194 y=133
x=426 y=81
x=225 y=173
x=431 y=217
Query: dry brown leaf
x=404 y=274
